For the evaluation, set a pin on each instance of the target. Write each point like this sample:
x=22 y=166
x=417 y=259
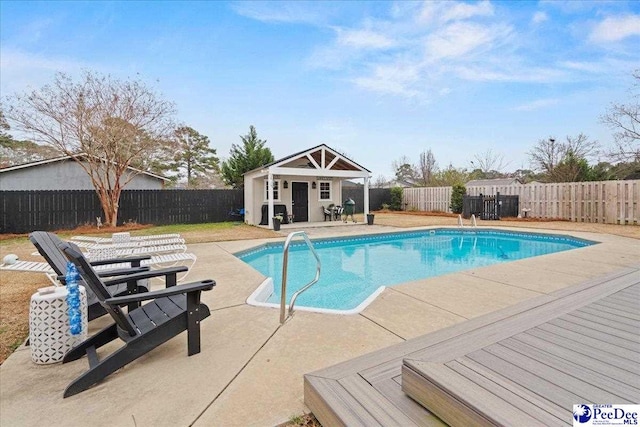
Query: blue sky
x=374 y=80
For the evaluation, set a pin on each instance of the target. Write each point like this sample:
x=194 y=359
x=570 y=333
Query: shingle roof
x=64 y=158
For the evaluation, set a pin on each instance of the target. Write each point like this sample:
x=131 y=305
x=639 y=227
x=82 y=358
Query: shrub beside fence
x=26 y=211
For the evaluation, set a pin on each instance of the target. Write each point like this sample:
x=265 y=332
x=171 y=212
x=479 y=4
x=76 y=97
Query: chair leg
x=101 y=338
x=132 y=350
x=105 y=367
x=193 y=323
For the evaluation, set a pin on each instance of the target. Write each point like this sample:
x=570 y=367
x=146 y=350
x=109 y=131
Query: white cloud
x=21 y=70
x=537 y=105
x=591 y=67
x=539 y=17
x=396 y=79
x=510 y=73
x=461 y=38
x=282 y=11
x=365 y=39
x=453 y=11
x=466 y=10
x=615 y=28
x=413 y=49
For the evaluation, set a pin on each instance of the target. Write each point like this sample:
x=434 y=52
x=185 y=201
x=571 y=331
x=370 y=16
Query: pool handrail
x=285 y=262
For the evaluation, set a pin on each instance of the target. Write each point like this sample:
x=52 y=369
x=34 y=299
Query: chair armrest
x=134 y=260
x=122 y=271
x=111 y=273
x=204 y=285
x=146 y=275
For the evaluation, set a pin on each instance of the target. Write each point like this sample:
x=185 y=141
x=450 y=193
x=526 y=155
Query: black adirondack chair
x=168 y=313
x=48 y=246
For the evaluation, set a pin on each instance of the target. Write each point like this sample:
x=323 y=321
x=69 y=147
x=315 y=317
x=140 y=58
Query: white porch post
x=366 y=196
x=270 y=199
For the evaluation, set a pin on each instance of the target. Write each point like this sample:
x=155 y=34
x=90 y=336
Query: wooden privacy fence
x=428 y=199
x=26 y=211
x=608 y=202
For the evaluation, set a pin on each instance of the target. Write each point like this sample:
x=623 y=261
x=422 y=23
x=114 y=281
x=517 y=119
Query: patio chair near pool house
x=167 y=313
x=304 y=184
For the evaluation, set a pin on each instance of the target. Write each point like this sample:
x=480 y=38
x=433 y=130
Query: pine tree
x=194 y=156
x=251 y=154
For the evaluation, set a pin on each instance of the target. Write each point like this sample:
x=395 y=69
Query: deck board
x=528 y=363
x=611 y=370
x=612 y=307
x=599 y=336
x=608 y=327
x=593 y=310
x=509 y=390
x=607 y=354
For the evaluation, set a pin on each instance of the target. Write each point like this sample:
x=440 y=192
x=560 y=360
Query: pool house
x=299 y=186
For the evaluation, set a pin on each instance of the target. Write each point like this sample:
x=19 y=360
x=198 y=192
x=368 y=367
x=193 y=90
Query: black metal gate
x=490 y=207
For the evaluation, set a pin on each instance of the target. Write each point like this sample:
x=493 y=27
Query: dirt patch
x=307 y=420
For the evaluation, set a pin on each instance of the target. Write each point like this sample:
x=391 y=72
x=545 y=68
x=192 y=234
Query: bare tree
x=581 y=147
x=107 y=125
x=15 y=152
x=546 y=155
x=379 y=182
x=624 y=120
x=427 y=167
x=564 y=162
x=489 y=162
x=403 y=169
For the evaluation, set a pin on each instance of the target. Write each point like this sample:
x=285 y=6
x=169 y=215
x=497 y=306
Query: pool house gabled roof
x=321 y=161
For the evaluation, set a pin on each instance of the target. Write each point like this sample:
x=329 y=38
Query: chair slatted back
x=95 y=284
x=47 y=244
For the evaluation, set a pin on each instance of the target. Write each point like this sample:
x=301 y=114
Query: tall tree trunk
x=109 y=199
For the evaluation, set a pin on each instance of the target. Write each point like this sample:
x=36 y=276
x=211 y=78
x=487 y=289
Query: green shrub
x=396 y=199
x=457 y=195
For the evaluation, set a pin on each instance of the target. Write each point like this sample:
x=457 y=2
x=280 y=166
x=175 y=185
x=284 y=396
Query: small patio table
x=49 y=334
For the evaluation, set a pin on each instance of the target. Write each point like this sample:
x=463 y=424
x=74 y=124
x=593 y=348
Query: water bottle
x=73 y=299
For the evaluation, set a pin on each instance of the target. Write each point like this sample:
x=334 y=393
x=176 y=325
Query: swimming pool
x=356 y=269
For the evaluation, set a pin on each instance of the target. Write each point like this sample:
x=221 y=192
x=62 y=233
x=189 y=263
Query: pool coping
x=259 y=297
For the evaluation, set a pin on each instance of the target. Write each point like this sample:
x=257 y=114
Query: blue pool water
x=355 y=267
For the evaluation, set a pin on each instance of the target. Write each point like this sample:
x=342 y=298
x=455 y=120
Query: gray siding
x=63 y=175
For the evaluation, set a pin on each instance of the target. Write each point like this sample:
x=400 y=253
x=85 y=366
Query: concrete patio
x=250 y=371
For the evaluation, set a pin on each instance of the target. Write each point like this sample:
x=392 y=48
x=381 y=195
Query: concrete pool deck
x=250 y=371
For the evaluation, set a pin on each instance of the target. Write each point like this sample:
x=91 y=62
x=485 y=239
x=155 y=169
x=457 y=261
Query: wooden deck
x=523 y=365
